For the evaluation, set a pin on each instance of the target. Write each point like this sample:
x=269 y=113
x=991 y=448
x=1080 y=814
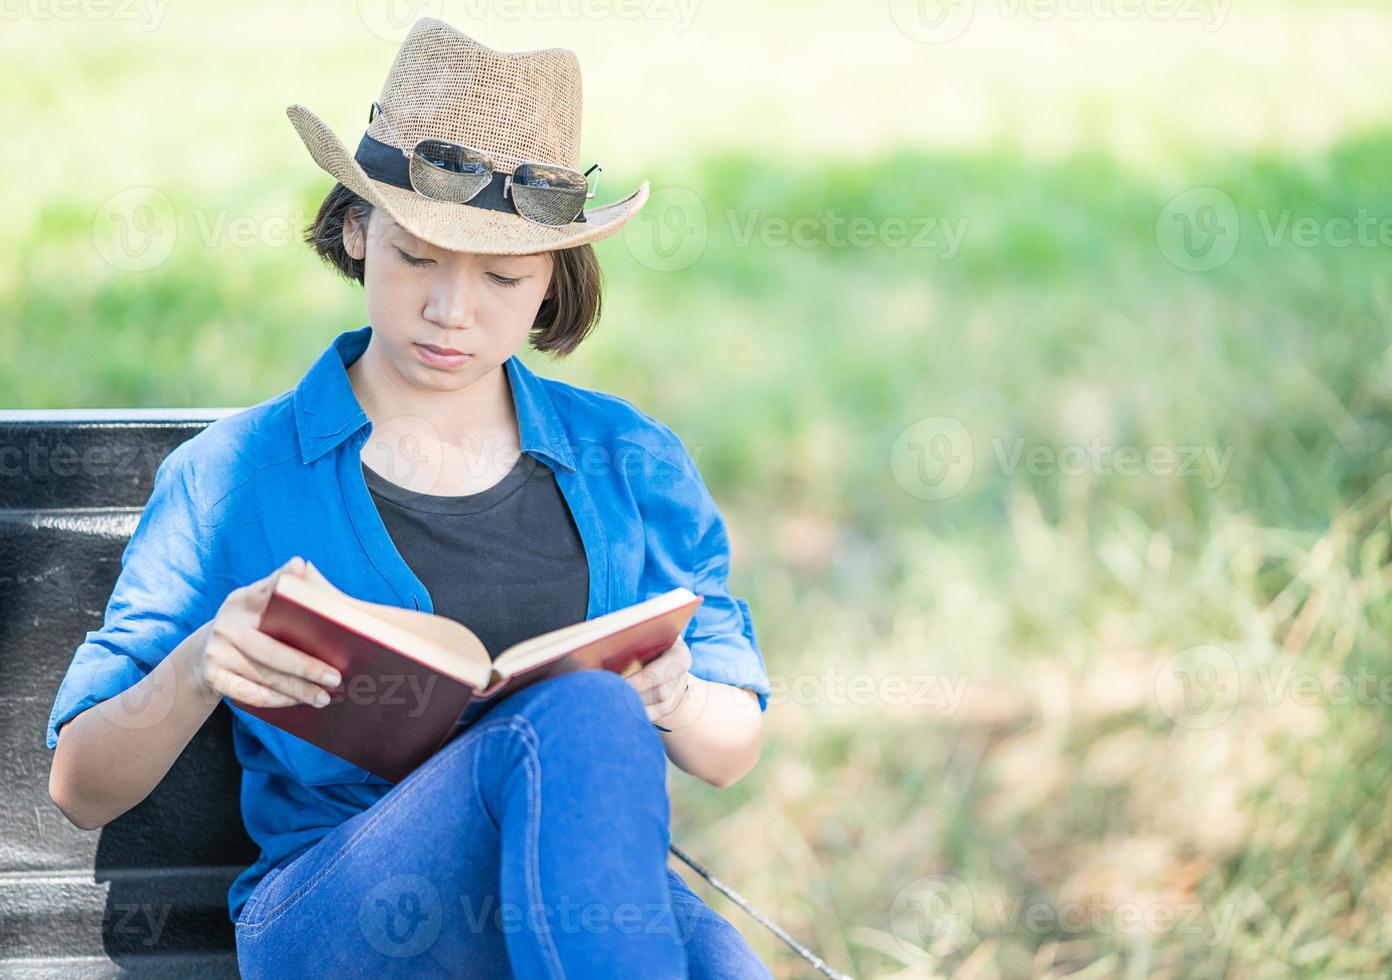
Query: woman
x=418 y=462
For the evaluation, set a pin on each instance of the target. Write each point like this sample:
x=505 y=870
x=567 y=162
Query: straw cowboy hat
x=519 y=107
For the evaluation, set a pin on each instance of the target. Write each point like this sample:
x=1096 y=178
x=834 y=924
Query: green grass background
x=895 y=838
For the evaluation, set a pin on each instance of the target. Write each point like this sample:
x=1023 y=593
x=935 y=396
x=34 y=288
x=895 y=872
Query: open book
x=408 y=675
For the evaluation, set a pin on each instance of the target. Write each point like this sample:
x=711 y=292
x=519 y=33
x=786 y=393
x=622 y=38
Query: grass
x=1053 y=787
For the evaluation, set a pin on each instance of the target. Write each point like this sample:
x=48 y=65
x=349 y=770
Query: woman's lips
x=444 y=357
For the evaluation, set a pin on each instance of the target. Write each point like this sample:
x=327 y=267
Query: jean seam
x=305 y=887
x=478 y=795
x=255 y=901
x=531 y=852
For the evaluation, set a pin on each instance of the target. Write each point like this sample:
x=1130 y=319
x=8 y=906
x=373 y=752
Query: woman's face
x=420 y=296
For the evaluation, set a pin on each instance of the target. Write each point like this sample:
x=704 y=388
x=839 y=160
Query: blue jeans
x=533 y=844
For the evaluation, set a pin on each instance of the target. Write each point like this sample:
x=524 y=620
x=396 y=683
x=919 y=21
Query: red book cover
x=400 y=698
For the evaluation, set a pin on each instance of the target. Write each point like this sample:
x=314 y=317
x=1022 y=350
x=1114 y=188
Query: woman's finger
x=670 y=689
x=254 y=597
x=669 y=669
x=670 y=664
x=642 y=681
x=296 y=687
x=248 y=691
x=282 y=657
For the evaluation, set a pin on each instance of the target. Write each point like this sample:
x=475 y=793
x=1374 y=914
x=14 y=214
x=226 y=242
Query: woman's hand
x=711 y=730
x=665 y=682
x=240 y=661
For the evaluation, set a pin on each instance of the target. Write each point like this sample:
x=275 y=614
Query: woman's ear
x=353 y=238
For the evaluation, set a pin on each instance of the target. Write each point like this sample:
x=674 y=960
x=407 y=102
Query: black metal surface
x=147 y=893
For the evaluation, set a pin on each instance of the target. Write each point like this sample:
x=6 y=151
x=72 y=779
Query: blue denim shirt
x=283 y=478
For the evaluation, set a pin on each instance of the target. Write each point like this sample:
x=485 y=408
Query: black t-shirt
x=507 y=562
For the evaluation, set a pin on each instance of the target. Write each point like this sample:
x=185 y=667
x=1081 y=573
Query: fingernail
x=321 y=699
x=330 y=679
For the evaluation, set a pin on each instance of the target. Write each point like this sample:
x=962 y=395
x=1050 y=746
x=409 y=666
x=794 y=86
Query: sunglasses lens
x=548 y=195
x=453 y=157
x=448 y=171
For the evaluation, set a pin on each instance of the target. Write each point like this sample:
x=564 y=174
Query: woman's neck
x=479 y=418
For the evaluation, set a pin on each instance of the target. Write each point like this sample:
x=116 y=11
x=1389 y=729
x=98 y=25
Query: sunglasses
x=543 y=193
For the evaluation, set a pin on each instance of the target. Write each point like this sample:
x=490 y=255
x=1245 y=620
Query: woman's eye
x=411 y=259
x=504 y=281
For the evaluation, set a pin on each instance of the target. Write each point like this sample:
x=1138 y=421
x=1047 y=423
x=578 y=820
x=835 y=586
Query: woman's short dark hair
x=563 y=320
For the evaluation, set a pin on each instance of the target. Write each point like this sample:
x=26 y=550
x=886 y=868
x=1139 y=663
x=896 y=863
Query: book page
x=437 y=641
x=523 y=656
x=439 y=630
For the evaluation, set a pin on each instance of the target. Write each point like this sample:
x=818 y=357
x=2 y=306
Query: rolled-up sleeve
x=687 y=543
x=159 y=599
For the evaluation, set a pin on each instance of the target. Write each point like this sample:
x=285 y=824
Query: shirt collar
x=327 y=411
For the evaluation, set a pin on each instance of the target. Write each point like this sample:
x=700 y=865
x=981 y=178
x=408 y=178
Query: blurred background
x=1036 y=352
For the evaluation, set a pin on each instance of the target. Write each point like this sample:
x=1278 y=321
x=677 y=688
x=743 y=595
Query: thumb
x=313 y=574
x=295 y=566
